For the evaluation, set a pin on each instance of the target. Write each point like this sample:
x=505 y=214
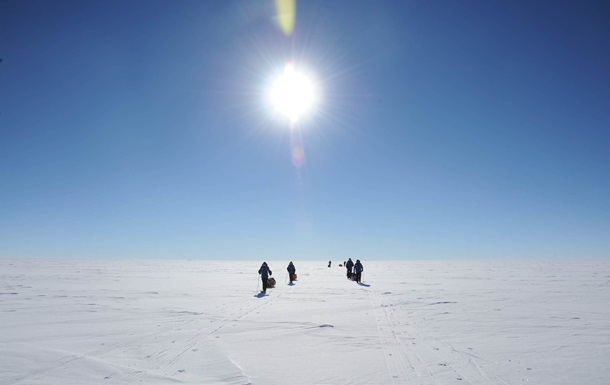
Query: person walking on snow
x=291 y=270
x=349 y=265
x=265 y=272
x=358 y=269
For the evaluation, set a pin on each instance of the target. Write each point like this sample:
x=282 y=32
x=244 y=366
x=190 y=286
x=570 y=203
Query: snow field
x=202 y=322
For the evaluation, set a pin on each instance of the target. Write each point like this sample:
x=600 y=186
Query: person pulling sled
x=358 y=269
x=265 y=272
x=349 y=265
x=292 y=272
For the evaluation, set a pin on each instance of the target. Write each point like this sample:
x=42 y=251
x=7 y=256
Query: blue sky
x=445 y=129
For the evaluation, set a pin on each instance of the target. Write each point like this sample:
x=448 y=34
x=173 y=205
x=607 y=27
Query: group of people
x=357 y=269
x=356 y=275
x=266 y=272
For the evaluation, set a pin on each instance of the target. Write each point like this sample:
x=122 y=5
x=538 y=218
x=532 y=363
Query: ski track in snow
x=159 y=362
x=404 y=353
x=405 y=366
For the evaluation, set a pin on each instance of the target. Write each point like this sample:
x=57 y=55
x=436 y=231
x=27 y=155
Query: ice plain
x=85 y=321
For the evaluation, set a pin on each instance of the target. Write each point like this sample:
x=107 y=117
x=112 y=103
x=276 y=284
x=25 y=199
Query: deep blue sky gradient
x=447 y=130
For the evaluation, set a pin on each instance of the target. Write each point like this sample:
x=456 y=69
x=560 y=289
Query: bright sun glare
x=292 y=94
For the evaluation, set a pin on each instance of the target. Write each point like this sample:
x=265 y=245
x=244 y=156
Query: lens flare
x=298 y=155
x=286 y=15
x=297 y=147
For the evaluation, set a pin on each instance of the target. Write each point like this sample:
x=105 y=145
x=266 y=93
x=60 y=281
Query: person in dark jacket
x=349 y=265
x=265 y=272
x=291 y=270
x=358 y=269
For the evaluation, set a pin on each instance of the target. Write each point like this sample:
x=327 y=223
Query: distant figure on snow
x=329 y=262
x=358 y=269
x=265 y=272
x=349 y=265
x=291 y=270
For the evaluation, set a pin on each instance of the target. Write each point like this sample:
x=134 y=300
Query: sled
x=271 y=282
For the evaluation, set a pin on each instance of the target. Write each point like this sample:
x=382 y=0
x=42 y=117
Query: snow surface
x=201 y=322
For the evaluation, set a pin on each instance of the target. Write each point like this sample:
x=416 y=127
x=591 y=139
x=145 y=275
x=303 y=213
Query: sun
x=292 y=94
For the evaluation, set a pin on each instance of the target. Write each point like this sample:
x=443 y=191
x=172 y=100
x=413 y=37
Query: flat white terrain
x=200 y=322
